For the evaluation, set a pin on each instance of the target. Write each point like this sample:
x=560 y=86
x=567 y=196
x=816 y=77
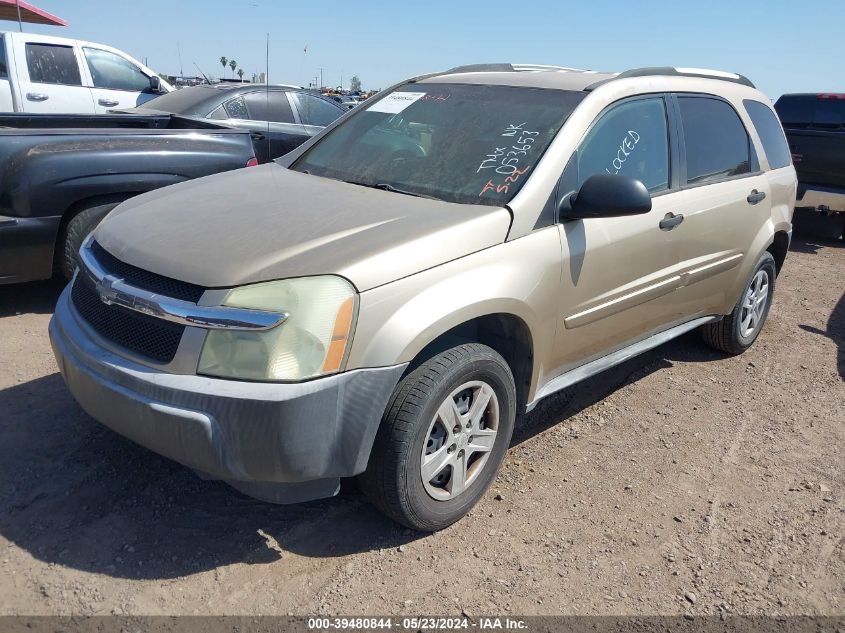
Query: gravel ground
x=683 y=482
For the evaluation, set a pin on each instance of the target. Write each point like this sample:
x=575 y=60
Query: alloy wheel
x=459 y=440
x=754 y=304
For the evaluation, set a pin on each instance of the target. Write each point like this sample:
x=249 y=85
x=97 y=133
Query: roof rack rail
x=480 y=68
x=507 y=68
x=546 y=67
x=704 y=73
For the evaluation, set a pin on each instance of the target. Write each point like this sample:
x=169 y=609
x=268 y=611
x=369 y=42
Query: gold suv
x=385 y=299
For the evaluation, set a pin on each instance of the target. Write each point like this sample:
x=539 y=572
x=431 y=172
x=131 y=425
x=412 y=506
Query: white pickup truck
x=44 y=74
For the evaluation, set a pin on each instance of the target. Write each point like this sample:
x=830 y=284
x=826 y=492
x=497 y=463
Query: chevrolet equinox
x=384 y=300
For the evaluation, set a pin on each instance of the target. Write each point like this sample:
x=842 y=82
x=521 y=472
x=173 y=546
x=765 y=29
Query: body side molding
x=637 y=296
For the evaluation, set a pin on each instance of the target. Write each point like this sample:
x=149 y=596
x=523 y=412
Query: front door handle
x=109 y=103
x=756 y=196
x=257 y=136
x=37 y=96
x=670 y=221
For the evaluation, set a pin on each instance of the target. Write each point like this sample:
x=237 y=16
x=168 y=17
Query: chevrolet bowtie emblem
x=105 y=288
x=110 y=294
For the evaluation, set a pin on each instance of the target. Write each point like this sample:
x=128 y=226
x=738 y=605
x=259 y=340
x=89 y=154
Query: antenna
x=207 y=80
x=267 y=93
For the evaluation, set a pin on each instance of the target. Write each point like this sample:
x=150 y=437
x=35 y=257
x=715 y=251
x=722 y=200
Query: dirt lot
x=682 y=482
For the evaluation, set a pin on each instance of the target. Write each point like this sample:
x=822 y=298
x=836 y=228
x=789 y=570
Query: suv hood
x=268 y=222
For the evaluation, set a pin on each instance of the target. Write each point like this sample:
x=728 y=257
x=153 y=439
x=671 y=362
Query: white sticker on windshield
x=395 y=102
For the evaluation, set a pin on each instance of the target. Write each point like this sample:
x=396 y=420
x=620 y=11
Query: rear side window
x=4 y=73
x=114 y=72
x=52 y=64
x=717 y=145
x=631 y=139
x=236 y=109
x=316 y=111
x=771 y=133
x=269 y=106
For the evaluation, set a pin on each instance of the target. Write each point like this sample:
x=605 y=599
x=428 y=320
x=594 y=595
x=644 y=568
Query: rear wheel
x=736 y=332
x=74 y=233
x=443 y=437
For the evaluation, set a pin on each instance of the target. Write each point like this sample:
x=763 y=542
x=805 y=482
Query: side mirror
x=155 y=84
x=607 y=196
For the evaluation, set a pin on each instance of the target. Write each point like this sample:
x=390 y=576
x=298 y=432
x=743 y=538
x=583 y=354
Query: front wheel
x=442 y=438
x=736 y=332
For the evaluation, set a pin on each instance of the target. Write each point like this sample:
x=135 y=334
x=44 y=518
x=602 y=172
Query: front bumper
x=282 y=442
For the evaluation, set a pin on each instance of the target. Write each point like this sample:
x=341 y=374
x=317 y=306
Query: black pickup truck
x=61 y=174
x=815 y=128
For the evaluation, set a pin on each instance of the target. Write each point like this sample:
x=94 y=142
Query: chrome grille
x=147 y=336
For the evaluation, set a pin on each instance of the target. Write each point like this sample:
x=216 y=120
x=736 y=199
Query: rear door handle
x=109 y=103
x=756 y=196
x=670 y=221
x=36 y=96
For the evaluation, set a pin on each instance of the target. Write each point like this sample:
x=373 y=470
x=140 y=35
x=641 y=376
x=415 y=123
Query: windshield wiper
x=384 y=186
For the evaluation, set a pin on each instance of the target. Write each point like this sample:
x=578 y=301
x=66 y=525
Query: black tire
x=393 y=480
x=726 y=335
x=74 y=233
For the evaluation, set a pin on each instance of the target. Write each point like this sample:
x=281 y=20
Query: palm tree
x=233 y=64
x=223 y=62
x=241 y=74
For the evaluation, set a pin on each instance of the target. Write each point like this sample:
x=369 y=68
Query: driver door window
x=113 y=71
x=117 y=82
x=631 y=139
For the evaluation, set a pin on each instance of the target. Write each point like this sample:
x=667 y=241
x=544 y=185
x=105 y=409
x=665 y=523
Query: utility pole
x=321 y=78
x=20 y=23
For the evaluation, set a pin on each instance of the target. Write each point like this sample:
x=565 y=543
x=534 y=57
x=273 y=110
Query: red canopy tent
x=28 y=13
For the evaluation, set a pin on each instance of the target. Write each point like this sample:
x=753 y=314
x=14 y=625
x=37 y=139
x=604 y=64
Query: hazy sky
x=781 y=46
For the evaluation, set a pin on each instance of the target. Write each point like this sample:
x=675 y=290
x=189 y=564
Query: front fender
x=520 y=278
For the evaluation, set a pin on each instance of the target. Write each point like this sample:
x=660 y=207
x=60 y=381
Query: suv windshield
x=455 y=142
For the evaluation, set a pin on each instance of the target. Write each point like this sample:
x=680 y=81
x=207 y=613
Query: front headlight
x=311 y=342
